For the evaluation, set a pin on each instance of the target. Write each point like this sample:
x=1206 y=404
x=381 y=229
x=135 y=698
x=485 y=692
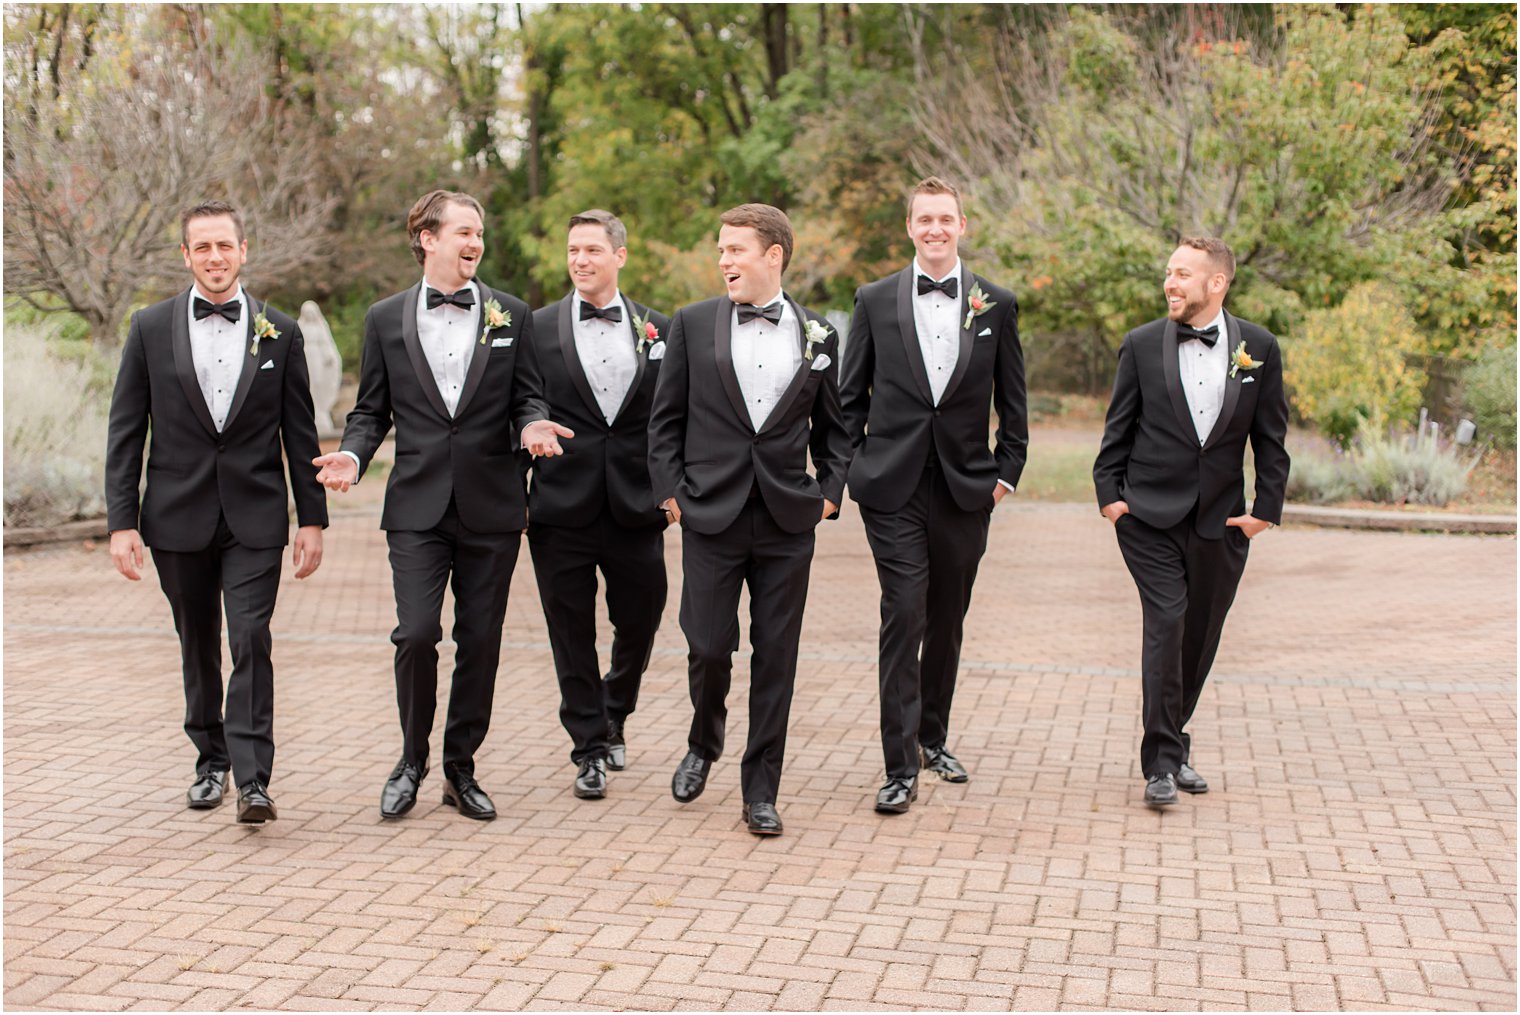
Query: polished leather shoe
x=206 y=791
x=1161 y=790
x=896 y=795
x=591 y=779
x=400 y=792
x=617 y=750
x=943 y=764
x=460 y=790
x=254 y=805
x=690 y=778
x=762 y=819
x=1190 y=781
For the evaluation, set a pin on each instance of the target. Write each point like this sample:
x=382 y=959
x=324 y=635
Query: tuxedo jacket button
x=453 y=429
x=221 y=447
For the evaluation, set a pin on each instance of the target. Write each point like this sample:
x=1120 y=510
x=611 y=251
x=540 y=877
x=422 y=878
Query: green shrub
x=1383 y=467
x=1490 y=393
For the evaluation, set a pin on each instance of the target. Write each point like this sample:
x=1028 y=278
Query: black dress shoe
x=254 y=805
x=1161 y=790
x=400 y=792
x=896 y=795
x=617 y=750
x=762 y=819
x=591 y=779
x=462 y=791
x=1190 y=781
x=206 y=791
x=943 y=764
x=690 y=778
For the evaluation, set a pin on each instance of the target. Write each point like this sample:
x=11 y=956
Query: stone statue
x=324 y=365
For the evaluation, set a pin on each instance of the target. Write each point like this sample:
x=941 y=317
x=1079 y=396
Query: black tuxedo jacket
x=468 y=456
x=889 y=409
x=703 y=449
x=606 y=463
x=195 y=473
x=1150 y=457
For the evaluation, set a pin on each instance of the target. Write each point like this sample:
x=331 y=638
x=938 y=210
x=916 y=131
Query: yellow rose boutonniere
x=495 y=318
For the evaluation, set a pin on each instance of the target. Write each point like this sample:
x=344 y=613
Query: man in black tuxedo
x=931 y=348
x=222 y=379
x=748 y=385
x=592 y=507
x=451 y=362
x=1192 y=387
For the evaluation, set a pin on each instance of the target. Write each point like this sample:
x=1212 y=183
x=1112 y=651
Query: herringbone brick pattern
x=1357 y=849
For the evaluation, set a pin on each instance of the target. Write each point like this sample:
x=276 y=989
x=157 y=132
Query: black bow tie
x=1208 y=336
x=748 y=312
x=463 y=299
x=949 y=286
x=231 y=310
x=613 y=313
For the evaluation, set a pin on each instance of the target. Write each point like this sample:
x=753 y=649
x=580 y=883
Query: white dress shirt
x=606 y=351
x=1202 y=372
x=766 y=358
x=216 y=347
x=448 y=335
x=936 y=317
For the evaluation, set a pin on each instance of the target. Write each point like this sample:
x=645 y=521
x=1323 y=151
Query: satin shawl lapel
x=723 y=355
x=640 y=360
x=480 y=354
x=414 y=351
x=566 y=336
x=250 y=361
x=1231 y=384
x=804 y=366
x=907 y=327
x=967 y=337
x=184 y=361
x=1174 y=380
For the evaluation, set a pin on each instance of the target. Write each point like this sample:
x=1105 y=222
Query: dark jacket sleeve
x=1118 y=429
x=370 y=419
x=126 y=432
x=829 y=441
x=1269 y=430
x=298 y=432
x=1010 y=400
x=856 y=375
x=528 y=402
x=667 y=416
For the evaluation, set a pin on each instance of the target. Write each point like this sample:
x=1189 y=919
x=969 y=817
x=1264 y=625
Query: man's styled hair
x=427 y=215
x=205 y=210
x=617 y=233
x=1220 y=256
x=771 y=223
x=934 y=185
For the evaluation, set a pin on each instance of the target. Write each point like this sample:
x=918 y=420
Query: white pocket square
x=821 y=361
x=501 y=343
x=268 y=365
x=657 y=351
x=984 y=331
x=1248 y=380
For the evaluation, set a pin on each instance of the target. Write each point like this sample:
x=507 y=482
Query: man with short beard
x=749 y=384
x=593 y=509
x=1191 y=389
x=222 y=379
x=451 y=362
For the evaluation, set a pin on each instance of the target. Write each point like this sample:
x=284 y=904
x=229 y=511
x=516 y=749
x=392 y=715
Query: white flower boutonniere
x=262 y=328
x=979 y=304
x=1241 y=360
x=816 y=334
x=494 y=318
x=647 y=332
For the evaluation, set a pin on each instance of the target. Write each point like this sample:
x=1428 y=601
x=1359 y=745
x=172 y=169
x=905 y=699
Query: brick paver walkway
x=1357 y=849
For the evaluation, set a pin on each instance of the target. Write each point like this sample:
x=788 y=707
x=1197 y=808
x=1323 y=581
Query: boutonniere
x=979 y=304
x=1241 y=360
x=816 y=334
x=494 y=317
x=262 y=328
x=647 y=332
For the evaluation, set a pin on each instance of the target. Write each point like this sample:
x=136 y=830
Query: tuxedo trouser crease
x=927 y=553
x=565 y=563
x=478 y=566
x=1186 y=585
x=197 y=584
x=775 y=564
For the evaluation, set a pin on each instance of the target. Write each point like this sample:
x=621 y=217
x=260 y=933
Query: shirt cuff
x=1007 y=485
x=357 y=464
